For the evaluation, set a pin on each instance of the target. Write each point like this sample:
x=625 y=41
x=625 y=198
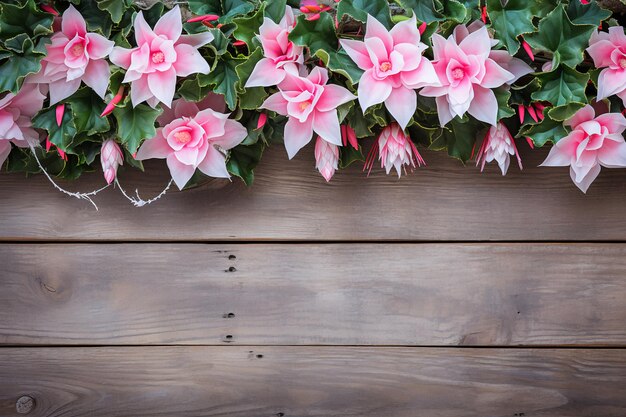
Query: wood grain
x=313 y=381
x=313 y=294
x=291 y=201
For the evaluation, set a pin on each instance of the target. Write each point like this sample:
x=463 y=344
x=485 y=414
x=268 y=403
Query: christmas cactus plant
x=207 y=85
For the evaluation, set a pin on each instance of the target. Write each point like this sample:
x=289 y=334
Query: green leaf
x=224 y=78
x=564 y=112
x=316 y=34
x=250 y=98
x=191 y=90
x=458 y=137
x=275 y=9
x=455 y=10
x=26 y=19
x=62 y=136
x=349 y=155
x=513 y=18
x=547 y=131
x=248 y=27
x=504 y=110
x=135 y=124
x=587 y=14
x=234 y=8
x=341 y=63
x=86 y=107
x=424 y=10
x=115 y=8
x=15 y=68
x=566 y=41
x=562 y=86
x=243 y=160
x=359 y=9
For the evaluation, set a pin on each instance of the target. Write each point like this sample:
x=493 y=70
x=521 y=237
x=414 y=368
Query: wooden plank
x=313 y=294
x=291 y=201
x=313 y=381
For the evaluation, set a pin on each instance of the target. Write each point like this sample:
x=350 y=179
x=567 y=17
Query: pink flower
x=593 y=142
x=394 y=67
x=498 y=145
x=75 y=55
x=311 y=106
x=608 y=51
x=111 y=157
x=468 y=69
x=16 y=112
x=326 y=158
x=161 y=55
x=192 y=138
x=281 y=55
x=395 y=149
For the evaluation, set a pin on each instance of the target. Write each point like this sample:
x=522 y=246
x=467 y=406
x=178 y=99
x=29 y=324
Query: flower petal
x=372 y=91
x=357 y=51
x=99 y=46
x=612 y=154
x=163 y=85
x=189 y=61
x=376 y=30
x=156 y=147
x=583 y=115
x=406 y=32
x=170 y=24
x=584 y=183
x=181 y=173
x=73 y=23
x=143 y=31
x=297 y=135
x=196 y=40
x=234 y=134
x=265 y=74
x=484 y=106
x=326 y=124
x=333 y=97
x=214 y=164
x=402 y=103
x=97 y=76
x=121 y=56
x=276 y=102
x=62 y=89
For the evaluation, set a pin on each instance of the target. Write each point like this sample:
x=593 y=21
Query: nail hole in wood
x=24 y=404
x=228 y=338
x=232 y=257
x=229 y=315
x=259 y=356
x=280 y=414
x=232 y=269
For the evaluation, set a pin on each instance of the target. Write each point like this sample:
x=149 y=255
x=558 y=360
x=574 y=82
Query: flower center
x=304 y=105
x=77 y=50
x=182 y=137
x=458 y=73
x=622 y=63
x=385 y=66
x=158 y=57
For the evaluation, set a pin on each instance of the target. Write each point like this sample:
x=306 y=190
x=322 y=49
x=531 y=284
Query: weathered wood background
x=445 y=293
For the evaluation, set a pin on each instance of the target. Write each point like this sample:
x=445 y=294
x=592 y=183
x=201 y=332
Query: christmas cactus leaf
x=275 y=9
x=424 y=10
x=135 y=124
x=513 y=18
x=564 y=112
x=244 y=159
x=248 y=27
x=558 y=35
x=16 y=19
x=97 y=20
x=224 y=78
x=341 y=63
x=359 y=9
x=202 y=7
x=16 y=67
x=62 y=136
x=562 y=86
x=586 y=14
x=250 y=98
x=235 y=8
x=455 y=11
x=315 y=34
x=458 y=136
x=349 y=155
x=191 y=90
x=547 y=130
x=503 y=96
x=86 y=108
x=115 y=8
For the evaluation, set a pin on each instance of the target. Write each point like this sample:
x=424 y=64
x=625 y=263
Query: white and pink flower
x=74 y=55
x=395 y=150
x=111 y=157
x=161 y=55
x=608 y=51
x=311 y=105
x=592 y=143
x=394 y=67
x=194 y=136
x=281 y=55
x=498 y=145
x=326 y=158
x=468 y=70
x=16 y=112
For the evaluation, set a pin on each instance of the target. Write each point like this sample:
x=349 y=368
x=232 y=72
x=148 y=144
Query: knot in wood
x=24 y=404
